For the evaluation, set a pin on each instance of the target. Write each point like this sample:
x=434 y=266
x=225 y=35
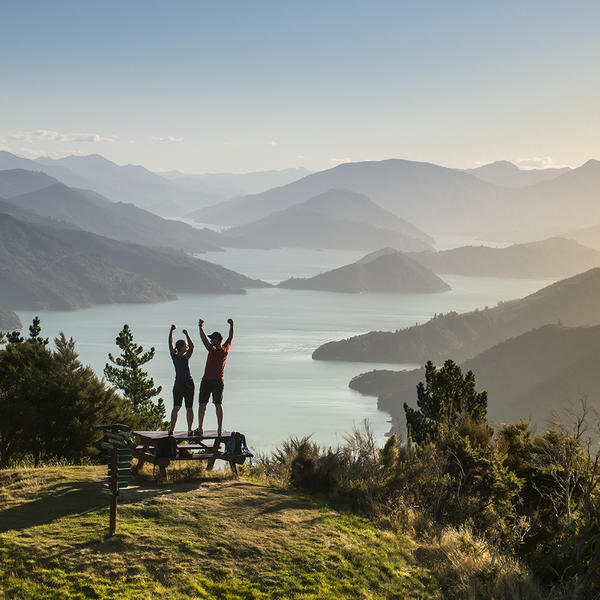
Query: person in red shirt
x=212 y=381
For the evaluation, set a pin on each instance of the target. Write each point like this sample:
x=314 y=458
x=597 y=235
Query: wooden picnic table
x=189 y=447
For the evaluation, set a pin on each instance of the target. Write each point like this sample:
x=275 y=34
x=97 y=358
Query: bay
x=273 y=388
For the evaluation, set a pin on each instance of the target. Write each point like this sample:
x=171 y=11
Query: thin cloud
x=93 y=138
x=273 y=143
x=49 y=135
x=170 y=139
x=37 y=135
x=538 y=162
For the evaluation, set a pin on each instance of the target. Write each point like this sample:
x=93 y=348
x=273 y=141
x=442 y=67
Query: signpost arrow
x=119 y=444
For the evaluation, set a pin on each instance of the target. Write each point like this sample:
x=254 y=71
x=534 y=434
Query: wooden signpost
x=119 y=446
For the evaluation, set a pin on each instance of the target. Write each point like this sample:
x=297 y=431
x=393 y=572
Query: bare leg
x=174 y=413
x=190 y=417
x=219 y=409
x=201 y=413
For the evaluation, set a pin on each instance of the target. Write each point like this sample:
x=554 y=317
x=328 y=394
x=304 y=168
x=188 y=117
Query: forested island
x=375 y=272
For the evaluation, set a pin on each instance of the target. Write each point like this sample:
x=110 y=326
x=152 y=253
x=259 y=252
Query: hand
x=230 y=321
x=173 y=327
x=185 y=332
x=200 y=322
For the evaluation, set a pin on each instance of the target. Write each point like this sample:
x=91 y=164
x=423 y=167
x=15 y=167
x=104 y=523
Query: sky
x=253 y=85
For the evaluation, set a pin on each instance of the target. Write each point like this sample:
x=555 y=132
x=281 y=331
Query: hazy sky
x=241 y=86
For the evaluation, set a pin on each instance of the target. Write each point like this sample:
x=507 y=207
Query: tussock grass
x=192 y=537
x=470 y=568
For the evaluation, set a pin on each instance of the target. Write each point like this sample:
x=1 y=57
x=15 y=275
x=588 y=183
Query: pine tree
x=49 y=402
x=444 y=396
x=137 y=387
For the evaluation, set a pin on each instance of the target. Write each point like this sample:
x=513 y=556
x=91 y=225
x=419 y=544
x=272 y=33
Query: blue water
x=273 y=389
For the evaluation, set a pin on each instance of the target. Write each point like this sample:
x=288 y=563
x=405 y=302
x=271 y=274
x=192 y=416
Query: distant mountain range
x=479 y=203
x=588 y=236
x=437 y=199
x=574 y=301
x=228 y=185
x=20 y=181
x=129 y=183
x=166 y=194
x=507 y=174
x=9 y=321
x=334 y=219
x=376 y=272
x=534 y=375
x=552 y=258
x=39 y=272
x=412 y=190
x=90 y=211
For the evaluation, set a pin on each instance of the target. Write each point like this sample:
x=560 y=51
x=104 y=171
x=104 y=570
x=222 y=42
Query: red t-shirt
x=215 y=361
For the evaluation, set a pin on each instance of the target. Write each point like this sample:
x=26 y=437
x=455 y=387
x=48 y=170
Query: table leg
x=141 y=459
x=163 y=463
x=210 y=463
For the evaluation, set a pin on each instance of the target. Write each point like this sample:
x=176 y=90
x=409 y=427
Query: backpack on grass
x=236 y=445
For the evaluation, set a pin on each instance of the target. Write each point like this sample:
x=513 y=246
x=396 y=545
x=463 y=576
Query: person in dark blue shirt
x=183 y=388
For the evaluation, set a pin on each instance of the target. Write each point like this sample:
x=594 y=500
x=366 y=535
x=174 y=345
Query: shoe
x=198 y=432
x=190 y=433
x=170 y=434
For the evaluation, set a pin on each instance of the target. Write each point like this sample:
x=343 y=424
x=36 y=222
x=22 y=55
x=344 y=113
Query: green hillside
x=574 y=301
x=39 y=272
x=176 y=271
x=530 y=376
x=219 y=539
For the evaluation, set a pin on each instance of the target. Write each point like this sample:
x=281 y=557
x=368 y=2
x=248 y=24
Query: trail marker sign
x=119 y=446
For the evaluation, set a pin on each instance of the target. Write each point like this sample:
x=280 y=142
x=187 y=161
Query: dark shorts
x=211 y=386
x=181 y=390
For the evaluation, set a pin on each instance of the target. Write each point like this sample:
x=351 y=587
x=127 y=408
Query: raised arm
x=171 y=349
x=230 y=337
x=203 y=335
x=189 y=343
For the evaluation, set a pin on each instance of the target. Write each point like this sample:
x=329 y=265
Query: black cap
x=215 y=334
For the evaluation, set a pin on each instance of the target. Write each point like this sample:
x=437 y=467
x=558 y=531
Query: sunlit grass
x=191 y=537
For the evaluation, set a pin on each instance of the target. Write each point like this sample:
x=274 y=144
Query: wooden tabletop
x=183 y=435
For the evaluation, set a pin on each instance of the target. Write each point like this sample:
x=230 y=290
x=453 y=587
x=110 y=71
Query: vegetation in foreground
x=530 y=500
x=194 y=538
x=456 y=511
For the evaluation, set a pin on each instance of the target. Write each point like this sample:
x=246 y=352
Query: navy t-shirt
x=182 y=367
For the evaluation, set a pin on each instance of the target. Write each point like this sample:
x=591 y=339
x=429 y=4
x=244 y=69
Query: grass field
x=192 y=538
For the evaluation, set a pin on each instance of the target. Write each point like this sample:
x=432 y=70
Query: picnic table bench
x=206 y=447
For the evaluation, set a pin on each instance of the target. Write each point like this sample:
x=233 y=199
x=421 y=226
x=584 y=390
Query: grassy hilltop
x=198 y=538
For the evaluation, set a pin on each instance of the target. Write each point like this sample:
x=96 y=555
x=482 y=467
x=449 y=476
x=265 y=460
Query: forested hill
x=551 y=258
x=9 y=320
x=386 y=273
x=176 y=271
x=92 y=212
x=337 y=219
x=572 y=301
x=39 y=272
x=531 y=376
